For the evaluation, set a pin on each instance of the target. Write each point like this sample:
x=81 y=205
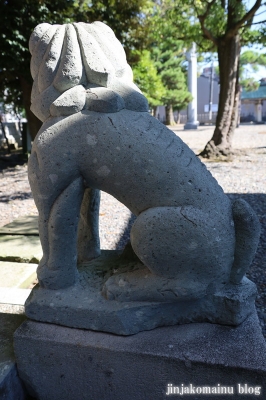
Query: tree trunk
x=169 y=115
x=220 y=145
x=236 y=111
x=34 y=123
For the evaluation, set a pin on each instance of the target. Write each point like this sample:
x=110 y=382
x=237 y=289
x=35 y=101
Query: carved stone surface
x=143 y=304
x=98 y=135
x=57 y=362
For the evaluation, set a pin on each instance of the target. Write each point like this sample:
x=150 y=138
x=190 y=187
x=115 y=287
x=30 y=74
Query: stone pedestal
x=84 y=305
x=57 y=362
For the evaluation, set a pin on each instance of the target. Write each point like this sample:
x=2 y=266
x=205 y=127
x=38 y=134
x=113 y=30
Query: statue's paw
x=56 y=278
x=142 y=285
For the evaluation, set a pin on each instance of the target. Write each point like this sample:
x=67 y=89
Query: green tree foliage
x=250 y=62
x=147 y=79
x=168 y=55
x=19 y=18
x=161 y=71
x=222 y=26
x=170 y=60
x=126 y=18
x=17 y=21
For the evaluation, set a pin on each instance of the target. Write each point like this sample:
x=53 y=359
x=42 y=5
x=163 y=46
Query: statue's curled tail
x=247 y=231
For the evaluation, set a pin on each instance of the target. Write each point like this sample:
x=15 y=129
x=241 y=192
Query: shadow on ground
x=124 y=238
x=11 y=160
x=15 y=196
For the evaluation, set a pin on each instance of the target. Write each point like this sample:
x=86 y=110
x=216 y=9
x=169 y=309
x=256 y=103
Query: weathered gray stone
x=27 y=225
x=109 y=45
x=99 y=69
x=140 y=305
x=11 y=387
x=246 y=239
x=18 y=248
x=70 y=72
x=71 y=101
x=187 y=233
x=80 y=54
x=51 y=59
x=40 y=105
x=65 y=363
x=35 y=91
x=102 y=99
x=17 y=274
x=88 y=228
x=36 y=35
x=39 y=41
x=133 y=98
x=145 y=149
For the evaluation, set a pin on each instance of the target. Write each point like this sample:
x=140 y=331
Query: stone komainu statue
x=96 y=135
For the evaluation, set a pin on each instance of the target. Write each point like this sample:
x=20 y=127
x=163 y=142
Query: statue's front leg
x=59 y=269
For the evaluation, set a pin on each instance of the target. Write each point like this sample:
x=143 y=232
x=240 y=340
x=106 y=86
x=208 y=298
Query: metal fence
x=204 y=118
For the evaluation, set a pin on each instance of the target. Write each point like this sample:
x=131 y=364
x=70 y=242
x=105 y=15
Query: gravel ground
x=244 y=177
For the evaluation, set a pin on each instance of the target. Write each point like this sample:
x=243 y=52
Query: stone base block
x=56 y=362
x=84 y=306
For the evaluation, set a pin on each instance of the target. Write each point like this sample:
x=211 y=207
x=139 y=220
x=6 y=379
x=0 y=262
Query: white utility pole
x=192 y=122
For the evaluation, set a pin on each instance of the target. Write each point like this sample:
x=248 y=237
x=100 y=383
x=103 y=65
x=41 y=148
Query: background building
x=253 y=104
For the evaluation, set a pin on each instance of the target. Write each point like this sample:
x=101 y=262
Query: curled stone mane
x=79 y=67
